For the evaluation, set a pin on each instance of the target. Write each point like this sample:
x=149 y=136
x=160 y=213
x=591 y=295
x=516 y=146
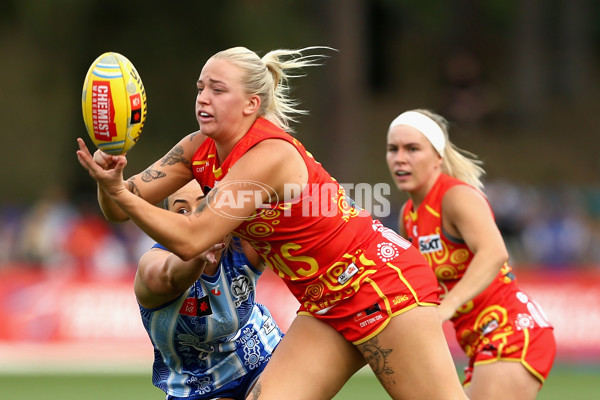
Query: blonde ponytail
x=268 y=77
x=456 y=162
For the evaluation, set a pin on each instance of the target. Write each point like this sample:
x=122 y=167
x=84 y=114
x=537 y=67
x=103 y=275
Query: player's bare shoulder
x=463 y=201
x=463 y=195
x=278 y=162
x=278 y=151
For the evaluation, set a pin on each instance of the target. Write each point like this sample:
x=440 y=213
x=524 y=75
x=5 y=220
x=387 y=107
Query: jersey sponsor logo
x=345 y=276
x=491 y=326
x=216 y=291
x=368 y=316
x=189 y=307
x=269 y=325
x=240 y=287
x=430 y=243
x=203 y=308
x=194 y=307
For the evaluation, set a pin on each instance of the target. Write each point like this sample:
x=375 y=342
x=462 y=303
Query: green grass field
x=565 y=382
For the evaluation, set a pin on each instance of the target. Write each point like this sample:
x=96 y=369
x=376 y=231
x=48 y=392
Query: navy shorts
x=236 y=389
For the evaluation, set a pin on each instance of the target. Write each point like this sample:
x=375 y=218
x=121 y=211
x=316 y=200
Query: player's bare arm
x=162 y=276
x=467 y=215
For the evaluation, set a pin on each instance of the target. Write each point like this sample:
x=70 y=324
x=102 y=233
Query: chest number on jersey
x=313 y=266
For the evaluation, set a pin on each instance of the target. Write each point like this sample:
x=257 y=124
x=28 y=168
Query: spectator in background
x=10 y=227
x=45 y=227
x=558 y=234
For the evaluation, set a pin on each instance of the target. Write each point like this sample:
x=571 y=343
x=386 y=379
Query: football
x=113 y=103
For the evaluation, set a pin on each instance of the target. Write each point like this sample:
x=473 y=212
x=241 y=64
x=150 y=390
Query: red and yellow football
x=113 y=103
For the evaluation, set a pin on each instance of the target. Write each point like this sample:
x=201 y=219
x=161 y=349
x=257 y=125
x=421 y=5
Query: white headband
x=428 y=127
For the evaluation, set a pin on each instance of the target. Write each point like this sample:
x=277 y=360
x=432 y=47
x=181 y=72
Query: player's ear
x=253 y=105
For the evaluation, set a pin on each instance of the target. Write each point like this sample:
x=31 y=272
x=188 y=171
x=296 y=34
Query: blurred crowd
x=548 y=227
x=544 y=227
x=69 y=235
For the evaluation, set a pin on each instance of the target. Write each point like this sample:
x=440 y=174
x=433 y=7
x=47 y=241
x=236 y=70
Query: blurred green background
x=563 y=383
x=520 y=79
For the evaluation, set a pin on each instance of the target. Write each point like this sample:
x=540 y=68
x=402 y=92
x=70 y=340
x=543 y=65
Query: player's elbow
x=185 y=250
x=501 y=256
x=115 y=218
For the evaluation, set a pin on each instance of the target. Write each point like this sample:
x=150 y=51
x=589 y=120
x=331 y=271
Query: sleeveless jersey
x=448 y=257
x=501 y=309
x=319 y=242
x=213 y=333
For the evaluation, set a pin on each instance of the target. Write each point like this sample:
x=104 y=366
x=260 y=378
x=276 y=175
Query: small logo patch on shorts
x=345 y=276
x=399 y=299
x=368 y=316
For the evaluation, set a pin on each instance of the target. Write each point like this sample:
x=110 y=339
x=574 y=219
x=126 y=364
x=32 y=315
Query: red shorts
x=534 y=348
x=390 y=291
x=505 y=323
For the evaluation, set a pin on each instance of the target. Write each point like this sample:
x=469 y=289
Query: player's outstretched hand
x=107 y=170
x=210 y=255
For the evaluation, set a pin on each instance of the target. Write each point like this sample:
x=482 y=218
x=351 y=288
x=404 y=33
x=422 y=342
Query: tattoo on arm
x=174 y=156
x=377 y=357
x=133 y=187
x=151 y=174
x=193 y=135
x=207 y=199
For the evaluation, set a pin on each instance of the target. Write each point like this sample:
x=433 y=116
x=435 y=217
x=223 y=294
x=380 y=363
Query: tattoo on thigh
x=174 y=156
x=256 y=391
x=377 y=357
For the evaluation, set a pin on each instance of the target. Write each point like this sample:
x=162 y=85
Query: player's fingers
x=85 y=160
x=217 y=247
x=82 y=146
x=121 y=163
x=102 y=159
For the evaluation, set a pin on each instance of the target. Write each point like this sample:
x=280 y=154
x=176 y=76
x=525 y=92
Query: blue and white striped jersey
x=213 y=333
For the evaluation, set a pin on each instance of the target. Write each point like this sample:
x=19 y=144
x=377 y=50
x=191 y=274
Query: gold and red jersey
x=498 y=312
x=318 y=241
x=449 y=257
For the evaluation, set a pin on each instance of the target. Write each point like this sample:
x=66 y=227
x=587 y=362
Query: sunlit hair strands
x=267 y=77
